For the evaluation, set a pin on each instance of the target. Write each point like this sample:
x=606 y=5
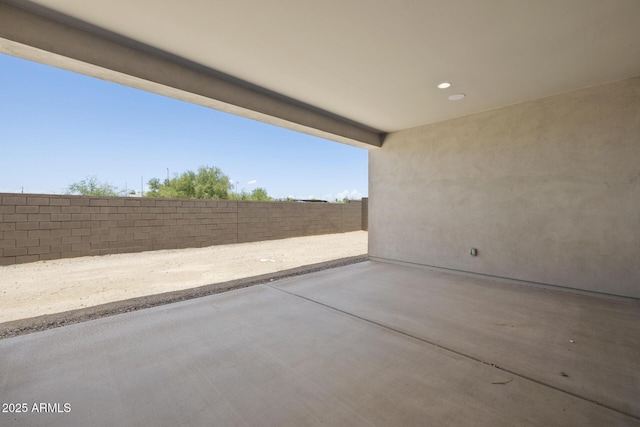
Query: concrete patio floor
x=367 y=344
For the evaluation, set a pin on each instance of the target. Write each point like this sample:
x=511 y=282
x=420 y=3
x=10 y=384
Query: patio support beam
x=62 y=42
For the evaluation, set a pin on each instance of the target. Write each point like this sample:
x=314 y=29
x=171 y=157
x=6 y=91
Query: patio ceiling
x=377 y=63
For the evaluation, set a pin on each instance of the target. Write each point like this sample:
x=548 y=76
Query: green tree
x=207 y=183
x=242 y=195
x=91 y=186
x=260 y=194
x=257 y=194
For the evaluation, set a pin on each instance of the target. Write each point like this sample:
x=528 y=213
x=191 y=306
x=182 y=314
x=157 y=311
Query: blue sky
x=58 y=127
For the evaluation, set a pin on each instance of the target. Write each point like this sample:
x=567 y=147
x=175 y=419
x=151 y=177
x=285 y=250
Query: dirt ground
x=46 y=287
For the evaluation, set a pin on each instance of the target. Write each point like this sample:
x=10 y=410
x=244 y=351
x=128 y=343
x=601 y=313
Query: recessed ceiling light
x=444 y=85
x=456 y=96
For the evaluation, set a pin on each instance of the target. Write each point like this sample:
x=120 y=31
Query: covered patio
x=366 y=344
x=503 y=286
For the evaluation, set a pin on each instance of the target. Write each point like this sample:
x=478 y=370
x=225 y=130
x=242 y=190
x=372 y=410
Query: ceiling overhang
x=349 y=71
x=99 y=54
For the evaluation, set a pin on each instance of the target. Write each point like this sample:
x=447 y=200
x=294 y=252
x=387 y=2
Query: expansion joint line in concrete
x=459 y=353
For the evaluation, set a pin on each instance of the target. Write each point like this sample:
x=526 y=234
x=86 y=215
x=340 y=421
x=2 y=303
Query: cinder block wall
x=365 y=213
x=43 y=227
x=269 y=220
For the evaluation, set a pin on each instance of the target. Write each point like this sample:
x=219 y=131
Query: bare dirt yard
x=46 y=287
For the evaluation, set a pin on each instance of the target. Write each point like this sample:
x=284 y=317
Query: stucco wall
x=548 y=191
x=42 y=227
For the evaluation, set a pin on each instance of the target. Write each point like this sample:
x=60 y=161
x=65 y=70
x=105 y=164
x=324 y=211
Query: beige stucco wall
x=548 y=191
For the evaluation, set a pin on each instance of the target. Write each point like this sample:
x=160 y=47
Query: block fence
x=44 y=227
